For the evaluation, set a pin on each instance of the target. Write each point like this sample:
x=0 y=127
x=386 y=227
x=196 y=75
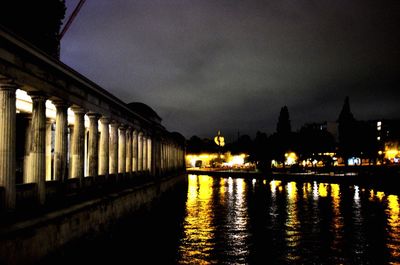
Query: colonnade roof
x=34 y=70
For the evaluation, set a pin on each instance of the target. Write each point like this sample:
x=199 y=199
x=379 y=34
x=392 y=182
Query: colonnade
x=106 y=147
x=72 y=129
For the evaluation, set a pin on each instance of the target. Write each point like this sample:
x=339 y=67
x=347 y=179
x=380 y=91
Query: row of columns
x=119 y=149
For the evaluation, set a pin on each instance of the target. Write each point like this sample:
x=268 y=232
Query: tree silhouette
x=283 y=140
x=283 y=127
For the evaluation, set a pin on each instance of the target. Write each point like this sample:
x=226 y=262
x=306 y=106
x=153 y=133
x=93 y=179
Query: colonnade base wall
x=28 y=242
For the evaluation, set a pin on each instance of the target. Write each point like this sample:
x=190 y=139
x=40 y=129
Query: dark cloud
x=230 y=65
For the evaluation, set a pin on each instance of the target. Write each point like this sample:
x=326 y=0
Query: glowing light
x=291 y=158
x=391 y=153
x=205 y=159
x=219 y=139
x=353 y=161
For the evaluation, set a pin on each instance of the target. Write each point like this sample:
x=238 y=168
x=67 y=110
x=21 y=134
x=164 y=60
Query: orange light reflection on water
x=393 y=211
x=292 y=223
x=198 y=228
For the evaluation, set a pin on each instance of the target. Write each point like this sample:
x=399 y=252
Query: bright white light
x=356 y=193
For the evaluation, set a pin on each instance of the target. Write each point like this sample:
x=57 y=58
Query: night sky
x=230 y=65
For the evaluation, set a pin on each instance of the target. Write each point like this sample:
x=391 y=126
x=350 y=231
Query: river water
x=237 y=221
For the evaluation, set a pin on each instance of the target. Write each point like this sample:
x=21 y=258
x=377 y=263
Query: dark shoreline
x=385 y=181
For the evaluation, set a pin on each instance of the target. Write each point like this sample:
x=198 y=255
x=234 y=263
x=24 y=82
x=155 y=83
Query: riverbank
x=378 y=178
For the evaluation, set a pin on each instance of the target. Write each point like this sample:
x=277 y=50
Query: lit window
x=379 y=123
x=379 y=128
x=378 y=138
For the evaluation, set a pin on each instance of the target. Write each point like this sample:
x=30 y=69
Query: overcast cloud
x=230 y=65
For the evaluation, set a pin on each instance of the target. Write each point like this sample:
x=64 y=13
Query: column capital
x=78 y=110
x=114 y=124
x=7 y=84
x=93 y=115
x=38 y=95
x=105 y=120
x=122 y=127
x=59 y=103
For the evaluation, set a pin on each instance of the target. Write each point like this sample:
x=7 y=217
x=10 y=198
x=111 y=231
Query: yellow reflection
x=292 y=222
x=393 y=206
x=394 y=225
x=274 y=185
x=380 y=195
x=222 y=188
x=337 y=222
x=335 y=191
x=205 y=190
x=292 y=190
x=371 y=194
x=322 y=190
x=192 y=190
x=307 y=189
x=198 y=225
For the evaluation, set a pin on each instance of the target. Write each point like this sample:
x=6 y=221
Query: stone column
x=70 y=140
x=7 y=141
x=78 y=142
x=144 y=157
x=38 y=146
x=135 y=151
x=114 y=148
x=154 y=144
x=149 y=153
x=28 y=140
x=162 y=157
x=140 y=151
x=49 y=125
x=61 y=141
x=122 y=149
x=128 y=163
x=93 y=151
x=104 y=147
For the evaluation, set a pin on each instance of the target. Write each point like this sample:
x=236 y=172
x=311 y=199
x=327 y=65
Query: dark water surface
x=237 y=221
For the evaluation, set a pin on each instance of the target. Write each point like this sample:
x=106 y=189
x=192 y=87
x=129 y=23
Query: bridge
x=62 y=135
